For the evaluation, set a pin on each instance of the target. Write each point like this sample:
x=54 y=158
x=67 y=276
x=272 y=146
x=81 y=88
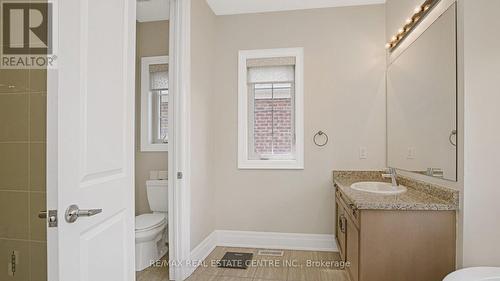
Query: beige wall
x=481 y=236
x=344 y=65
x=152 y=40
x=202 y=155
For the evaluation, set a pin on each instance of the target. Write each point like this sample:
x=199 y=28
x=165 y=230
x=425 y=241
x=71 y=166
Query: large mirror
x=422 y=102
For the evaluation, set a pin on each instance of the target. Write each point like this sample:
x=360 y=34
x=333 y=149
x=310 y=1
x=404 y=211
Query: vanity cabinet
x=395 y=245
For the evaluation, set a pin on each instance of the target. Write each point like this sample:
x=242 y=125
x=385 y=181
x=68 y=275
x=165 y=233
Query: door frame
x=179 y=151
x=52 y=173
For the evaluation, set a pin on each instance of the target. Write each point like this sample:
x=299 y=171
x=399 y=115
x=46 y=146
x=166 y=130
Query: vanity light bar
x=418 y=14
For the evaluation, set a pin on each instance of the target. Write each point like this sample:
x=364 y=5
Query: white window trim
x=243 y=161
x=147 y=143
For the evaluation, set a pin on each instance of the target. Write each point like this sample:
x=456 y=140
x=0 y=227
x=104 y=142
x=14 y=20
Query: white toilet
x=475 y=274
x=151 y=229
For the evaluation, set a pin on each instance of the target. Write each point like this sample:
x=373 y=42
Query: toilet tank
x=157 y=195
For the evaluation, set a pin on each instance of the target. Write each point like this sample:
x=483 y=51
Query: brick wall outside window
x=273 y=126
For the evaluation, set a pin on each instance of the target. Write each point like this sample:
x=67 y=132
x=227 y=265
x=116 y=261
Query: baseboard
x=201 y=252
x=276 y=240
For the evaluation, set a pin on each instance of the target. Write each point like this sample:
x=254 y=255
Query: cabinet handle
x=342 y=223
x=339 y=221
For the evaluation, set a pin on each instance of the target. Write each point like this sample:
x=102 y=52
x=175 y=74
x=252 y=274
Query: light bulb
x=401 y=31
x=394 y=38
x=409 y=20
x=418 y=9
x=388 y=45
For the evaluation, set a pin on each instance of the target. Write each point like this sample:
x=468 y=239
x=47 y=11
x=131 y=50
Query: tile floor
x=270 y=268
x=155 y=273
x=265 y=268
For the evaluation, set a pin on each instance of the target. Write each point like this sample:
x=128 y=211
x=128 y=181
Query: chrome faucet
x=391 y=173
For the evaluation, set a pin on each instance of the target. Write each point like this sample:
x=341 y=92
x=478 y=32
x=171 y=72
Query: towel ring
x=319 y=134
x=453 y=133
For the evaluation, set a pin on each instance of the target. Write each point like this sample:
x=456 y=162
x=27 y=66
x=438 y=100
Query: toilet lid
x=148 y=221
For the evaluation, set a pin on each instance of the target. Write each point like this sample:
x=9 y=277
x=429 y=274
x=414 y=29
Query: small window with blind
x=270 y=117
x=154 y=103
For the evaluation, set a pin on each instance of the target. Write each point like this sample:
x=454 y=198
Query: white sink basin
x=378 y=187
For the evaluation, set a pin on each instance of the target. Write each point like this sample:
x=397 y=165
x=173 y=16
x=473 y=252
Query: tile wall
x=22 y=174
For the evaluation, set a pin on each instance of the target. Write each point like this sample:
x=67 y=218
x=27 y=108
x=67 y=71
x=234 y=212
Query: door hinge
x=179 y=175
x=13 y=263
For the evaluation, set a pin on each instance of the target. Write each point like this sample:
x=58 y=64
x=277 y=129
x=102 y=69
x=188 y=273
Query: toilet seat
x=146 y=222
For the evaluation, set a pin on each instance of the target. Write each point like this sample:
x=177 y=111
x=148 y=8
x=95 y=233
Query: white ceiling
x=229 y=7
x=153 y=10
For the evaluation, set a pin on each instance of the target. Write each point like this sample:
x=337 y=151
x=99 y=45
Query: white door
x=91 y=141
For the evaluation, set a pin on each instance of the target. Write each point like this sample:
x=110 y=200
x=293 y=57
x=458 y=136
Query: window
x=270 y=109
x=154 y=103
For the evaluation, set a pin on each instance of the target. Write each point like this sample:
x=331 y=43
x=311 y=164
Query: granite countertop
x=420 y=195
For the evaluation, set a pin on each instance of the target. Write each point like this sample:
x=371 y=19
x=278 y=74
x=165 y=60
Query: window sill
x=270 y=165
x=154 y=147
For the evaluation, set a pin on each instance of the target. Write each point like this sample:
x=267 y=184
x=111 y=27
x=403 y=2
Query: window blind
x=159 y=76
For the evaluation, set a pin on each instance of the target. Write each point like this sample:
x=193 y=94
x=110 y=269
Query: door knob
x=73 y=213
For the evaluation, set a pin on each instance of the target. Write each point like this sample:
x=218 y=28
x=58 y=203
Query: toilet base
x=149 y=252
